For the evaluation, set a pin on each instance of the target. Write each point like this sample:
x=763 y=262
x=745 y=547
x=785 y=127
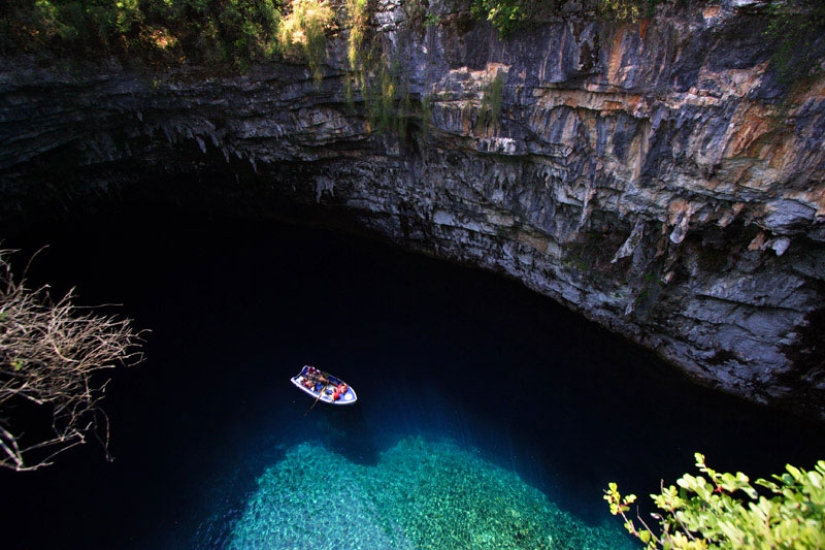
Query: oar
x=316 y=400
x=323 y=375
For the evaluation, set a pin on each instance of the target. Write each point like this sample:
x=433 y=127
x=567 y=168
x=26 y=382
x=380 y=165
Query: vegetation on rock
x=726 y=511
x=795 y=26
x=505 y=15
x=230 y=33
x=239 y=32
x=163 y=30
x=791 y=19
x=508 y=15
x=490 y=109
x=302 y=32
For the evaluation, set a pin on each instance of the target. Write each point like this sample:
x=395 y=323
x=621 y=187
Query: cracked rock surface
x=659 y=177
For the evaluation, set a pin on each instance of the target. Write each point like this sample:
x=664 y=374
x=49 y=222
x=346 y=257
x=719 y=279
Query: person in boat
x=315 y=379
x=339 y=390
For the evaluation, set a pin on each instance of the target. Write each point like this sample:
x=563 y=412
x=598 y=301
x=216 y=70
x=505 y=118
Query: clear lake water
x=488 y=416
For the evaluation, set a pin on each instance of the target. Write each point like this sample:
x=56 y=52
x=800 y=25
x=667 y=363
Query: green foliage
x=505 y=15
x=794 y=26
x=245 y=30
x=720 y=510
x=234 y=31
x=626 y=10
x=431 y=20
x=225 y=33
x=358 y=17
x=386 y=96
x=376 y=76
x=427 y=108
x=35 y=25
x=357 y=11
x=491 y=100
x=302 y=33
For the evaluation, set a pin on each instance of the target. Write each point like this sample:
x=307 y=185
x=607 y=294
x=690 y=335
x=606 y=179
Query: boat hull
x=326 y=391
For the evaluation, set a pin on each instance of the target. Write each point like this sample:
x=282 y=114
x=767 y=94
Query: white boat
x=323 y=386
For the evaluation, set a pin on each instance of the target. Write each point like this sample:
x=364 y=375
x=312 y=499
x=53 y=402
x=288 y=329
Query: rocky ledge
x=661 y=178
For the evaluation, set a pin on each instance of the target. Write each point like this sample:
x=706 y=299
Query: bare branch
x=49 y=352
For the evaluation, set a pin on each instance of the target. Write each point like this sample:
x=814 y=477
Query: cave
x=658 y=179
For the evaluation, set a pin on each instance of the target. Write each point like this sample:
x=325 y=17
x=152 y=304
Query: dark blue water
x=236 y=307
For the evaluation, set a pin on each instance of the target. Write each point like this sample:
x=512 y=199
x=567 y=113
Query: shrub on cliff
x=796 y=27
x=51 y=354
x=236 y=32
x=725 y=511
x=504 y=15
x=507 y=16
x=302 y=32
x=158 y=30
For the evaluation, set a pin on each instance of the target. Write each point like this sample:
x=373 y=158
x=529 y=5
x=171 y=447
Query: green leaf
x=794 y=471
x=644 y=536
x=815 y=479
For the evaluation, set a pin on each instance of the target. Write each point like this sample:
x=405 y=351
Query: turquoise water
x=421 y=494
x=488 y=416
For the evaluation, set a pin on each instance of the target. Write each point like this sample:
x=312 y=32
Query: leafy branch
x=721 y=510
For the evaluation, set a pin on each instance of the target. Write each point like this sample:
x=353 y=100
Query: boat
x=323 y=386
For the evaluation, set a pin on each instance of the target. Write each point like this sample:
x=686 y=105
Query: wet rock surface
x=658 y=177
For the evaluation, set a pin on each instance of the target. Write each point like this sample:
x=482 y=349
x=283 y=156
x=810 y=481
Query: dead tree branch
x=49 y=352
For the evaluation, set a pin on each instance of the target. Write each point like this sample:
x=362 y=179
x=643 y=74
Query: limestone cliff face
x=658 y=177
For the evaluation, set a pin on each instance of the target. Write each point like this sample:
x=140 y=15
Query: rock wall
x=659 y=177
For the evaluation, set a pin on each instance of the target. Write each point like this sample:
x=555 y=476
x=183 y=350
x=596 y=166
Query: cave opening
x=489 y=381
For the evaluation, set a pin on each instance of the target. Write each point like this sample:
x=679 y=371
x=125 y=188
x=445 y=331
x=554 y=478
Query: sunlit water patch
x=421 y=494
